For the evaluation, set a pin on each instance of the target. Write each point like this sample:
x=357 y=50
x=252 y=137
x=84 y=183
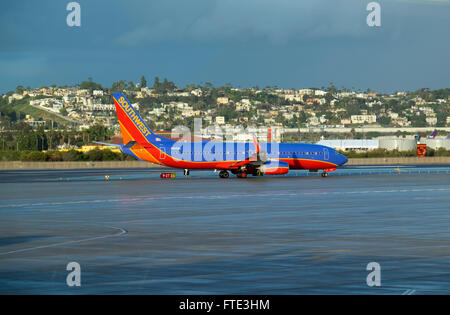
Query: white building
x=243 y=105
x=401 y=121
x=15 y=96
x=362 y=95
x=157 y=111
x=288 y=116
x=293 y=98
x=187 y=112
x=313 y=121
x=306 y=92
x=426 y=110
x=222 y=100
x=393 y=115
x=220 y=120
x=345 y=94
x=431 y=120
x=361 y=119
x=320 y=93
x=97 y=93
x=57 y=107
x=103 y=107
x=351 y=144
x=197 y=92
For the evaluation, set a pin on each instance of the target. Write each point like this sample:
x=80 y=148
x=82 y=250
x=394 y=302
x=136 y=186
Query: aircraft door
x=162 y=153
x=326 y=154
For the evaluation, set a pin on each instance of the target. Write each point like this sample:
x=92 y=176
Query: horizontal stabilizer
x=108 y=144
x=130 y=144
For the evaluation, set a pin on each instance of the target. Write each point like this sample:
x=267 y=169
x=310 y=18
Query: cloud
x=241 y=20
x=428 y=1
x=22 y=65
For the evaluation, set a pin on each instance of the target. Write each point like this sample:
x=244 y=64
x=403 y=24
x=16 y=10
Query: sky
x=287 y=43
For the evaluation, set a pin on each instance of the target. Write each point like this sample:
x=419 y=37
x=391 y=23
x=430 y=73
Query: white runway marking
x=409 y=292
x=225 y=196
x=122 y=232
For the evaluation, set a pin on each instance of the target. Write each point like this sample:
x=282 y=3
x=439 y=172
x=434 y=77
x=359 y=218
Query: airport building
x=351 y=144
x=388 y=143
x=436 y=143
x=400 y=144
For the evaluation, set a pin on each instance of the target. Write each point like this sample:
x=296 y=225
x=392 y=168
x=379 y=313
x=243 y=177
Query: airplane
x=238 y=158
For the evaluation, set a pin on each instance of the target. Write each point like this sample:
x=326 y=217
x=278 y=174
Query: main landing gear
x=324 y=173
x=186 y=172
x=258 y=173
x=241 y=173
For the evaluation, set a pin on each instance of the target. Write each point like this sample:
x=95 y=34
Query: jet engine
x=274 y=168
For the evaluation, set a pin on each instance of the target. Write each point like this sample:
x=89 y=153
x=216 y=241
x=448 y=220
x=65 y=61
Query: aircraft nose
x=342 y=159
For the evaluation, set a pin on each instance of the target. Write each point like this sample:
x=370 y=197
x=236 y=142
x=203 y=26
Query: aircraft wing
x=247 y=161
x=254 y=159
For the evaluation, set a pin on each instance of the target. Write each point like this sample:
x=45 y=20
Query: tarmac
x=134 y=233
x=21 y=165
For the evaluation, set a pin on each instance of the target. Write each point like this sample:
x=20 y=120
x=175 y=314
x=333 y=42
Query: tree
x=98 y=133
x=90 y=85
x=384 y=120
x=164 y=87
x=156 y=84
x=19 y=89
x=280 y=119
x=95 y=155
x=331 y=89
x=143 y=82
x=168 y=85
x=118 y=86
x=418 y=121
